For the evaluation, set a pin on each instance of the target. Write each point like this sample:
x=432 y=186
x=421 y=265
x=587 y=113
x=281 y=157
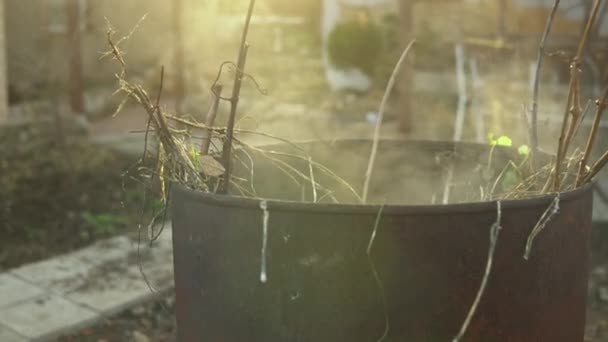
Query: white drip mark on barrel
x=265 y=217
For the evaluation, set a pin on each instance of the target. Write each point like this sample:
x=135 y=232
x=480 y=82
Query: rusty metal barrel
x=416 y=281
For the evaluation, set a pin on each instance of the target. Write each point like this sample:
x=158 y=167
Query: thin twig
x=312 y=180
x=494 y=234
x=500 y=176
x=234 y=101
x=582 y=119
x=305 y=157
x=549 y=213
x=596 y=168
x=372 y=239
x=321 y=167
x=285 y=168
x=539 y=64
x=257 y=85
x=180 y=164
x=251 y=170
x=573 y=161
x=376 y=139
x=601 y=106
x=329 y=194
x=222 y=130
x=210 y=119
x=300 y=174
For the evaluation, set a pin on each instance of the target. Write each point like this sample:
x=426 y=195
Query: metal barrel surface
x=419 y=281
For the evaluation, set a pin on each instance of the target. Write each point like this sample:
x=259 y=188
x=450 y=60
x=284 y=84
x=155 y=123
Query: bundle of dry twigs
x=209 y=168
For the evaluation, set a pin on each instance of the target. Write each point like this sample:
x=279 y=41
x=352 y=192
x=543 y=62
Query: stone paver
x=112 y=286
x=105 y=250
x=60 y=274
x=14 y=290
x=115 y=291
x=66 y=273
x=7 y=335
x=45 y=317
x=46 y=299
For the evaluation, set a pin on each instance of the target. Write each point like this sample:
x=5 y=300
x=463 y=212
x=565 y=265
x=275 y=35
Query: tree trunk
x=406 y=84
x=75 y=82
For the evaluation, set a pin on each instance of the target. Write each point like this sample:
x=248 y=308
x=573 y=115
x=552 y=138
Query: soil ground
x=63 y=197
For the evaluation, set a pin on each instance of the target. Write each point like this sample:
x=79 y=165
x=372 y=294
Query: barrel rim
x=366 y=209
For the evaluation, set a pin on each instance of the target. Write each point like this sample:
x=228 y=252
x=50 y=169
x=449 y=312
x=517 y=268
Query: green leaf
x=504 y=141
x=524 y=150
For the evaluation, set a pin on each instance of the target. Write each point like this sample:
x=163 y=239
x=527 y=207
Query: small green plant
x=500 y=141
x=103 y=224
x=511 y=175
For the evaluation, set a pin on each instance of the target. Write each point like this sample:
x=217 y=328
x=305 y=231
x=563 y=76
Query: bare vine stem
x=549 y=213
x=494 y=234
x=539 y=64
x=376 y=139
x=600 y=107
x=234 y=101
x=573 y=107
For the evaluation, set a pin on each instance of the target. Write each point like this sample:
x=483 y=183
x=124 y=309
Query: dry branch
x=177 y=162
x=573 y=106
x=234 y=101
x=601 y=106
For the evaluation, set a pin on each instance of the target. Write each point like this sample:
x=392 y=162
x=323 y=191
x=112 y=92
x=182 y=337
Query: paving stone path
x=43 y=300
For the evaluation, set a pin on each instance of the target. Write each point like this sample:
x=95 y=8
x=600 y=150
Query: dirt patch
x=59 y=193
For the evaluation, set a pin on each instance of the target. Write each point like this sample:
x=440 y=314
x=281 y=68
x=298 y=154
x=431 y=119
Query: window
x=57 y=21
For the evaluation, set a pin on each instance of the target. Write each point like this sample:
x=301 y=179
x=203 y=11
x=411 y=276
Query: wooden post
x=73 y=34
x=178 y=54
x=3 y=68
x=406 y=84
